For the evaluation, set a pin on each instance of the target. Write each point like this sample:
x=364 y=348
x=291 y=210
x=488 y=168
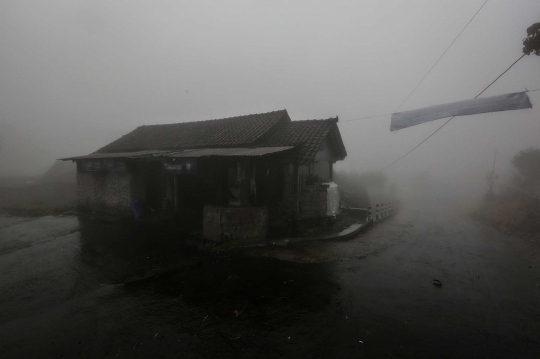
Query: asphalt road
x=488 y=305
x=73 y=287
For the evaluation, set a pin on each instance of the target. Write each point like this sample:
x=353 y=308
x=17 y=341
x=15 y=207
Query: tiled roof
x=187 y=153
x=228 y=132
x=307 y=136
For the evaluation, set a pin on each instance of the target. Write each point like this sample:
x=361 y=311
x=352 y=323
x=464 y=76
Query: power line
x=418 y=145
x=450 y=119
x=498 y=77
x=429 y=71
x=445 y=51
x=388 y=114
x=364 y=118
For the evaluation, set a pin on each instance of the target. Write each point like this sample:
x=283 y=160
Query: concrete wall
x=105 y=192
x=313 y=201
x=235 y=226
x=322 y=169
x=325 y=153
x=313 y=198
x=320 y=165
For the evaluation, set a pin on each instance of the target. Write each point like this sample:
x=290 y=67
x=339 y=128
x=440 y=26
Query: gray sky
x=75 y=75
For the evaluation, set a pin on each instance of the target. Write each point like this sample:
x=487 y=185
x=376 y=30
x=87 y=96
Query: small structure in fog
x=237 y=171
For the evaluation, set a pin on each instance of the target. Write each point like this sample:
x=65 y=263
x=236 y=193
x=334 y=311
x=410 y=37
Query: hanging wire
x=429 y=71
x=450 y=119
x=365 y=118
x=444 y=53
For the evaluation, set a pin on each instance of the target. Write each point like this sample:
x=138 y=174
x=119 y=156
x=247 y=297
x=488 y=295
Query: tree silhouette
x=528 y=165
x=531 y=44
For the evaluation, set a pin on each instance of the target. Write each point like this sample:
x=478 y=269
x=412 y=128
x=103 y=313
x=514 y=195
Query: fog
x=76 y=75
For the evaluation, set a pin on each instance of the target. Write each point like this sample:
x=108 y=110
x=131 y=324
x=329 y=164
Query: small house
x=237 y=173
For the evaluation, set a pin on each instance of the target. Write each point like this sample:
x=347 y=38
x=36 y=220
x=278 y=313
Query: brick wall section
x=313 y=201
x=105 y=192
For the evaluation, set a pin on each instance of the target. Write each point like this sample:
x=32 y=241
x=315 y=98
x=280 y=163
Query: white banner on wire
x=511 y=101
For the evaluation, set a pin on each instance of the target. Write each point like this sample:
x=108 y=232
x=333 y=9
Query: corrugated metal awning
x=192 y=153
x=97 y=155
x=229 y=152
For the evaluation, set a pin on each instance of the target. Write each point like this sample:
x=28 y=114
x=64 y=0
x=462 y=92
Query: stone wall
x=235 y=226
x=105 y=192
x=313 y=201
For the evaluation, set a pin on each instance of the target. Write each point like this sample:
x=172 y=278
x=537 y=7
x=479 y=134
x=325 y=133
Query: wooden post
x=175 y=191
x=253 y=182
x=296 y=188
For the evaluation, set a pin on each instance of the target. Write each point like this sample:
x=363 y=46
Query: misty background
x=76 y=75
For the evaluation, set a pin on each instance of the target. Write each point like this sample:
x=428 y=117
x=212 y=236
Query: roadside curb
x=347 y=233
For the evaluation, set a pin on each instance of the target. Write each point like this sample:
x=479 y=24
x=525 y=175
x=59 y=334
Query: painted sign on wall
x=180 y=166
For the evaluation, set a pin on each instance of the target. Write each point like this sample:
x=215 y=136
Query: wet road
x=73 y=287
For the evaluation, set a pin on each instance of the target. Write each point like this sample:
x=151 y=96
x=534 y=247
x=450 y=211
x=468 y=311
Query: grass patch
x=33 y=209
x=510 y=216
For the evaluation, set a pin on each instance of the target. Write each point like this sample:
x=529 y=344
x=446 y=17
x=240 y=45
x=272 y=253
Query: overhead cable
x=427 y=73
x=364 y=118
x=445 y=51
x=450 y=119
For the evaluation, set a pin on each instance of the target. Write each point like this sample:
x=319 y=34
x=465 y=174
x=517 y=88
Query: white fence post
x=383 y=210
